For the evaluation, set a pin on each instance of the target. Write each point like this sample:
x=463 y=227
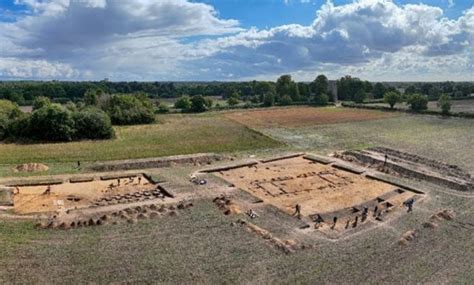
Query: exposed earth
x=372 y=213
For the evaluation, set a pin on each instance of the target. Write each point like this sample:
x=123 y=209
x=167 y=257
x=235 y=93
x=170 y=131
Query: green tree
x=444 y=103
x=320 y=85
x=418 y=102
x=92 y=123
x=183 y=103
x=51 y=123
x=285 y=100
x=286 y=86
x=130 y=110
x=163 y=108
x=41 y=102
x=91 y=97
x=410 y=90
x=232 y=101
x=392 y=98
x=321 y=100
x=198 y=104
x=379 y=90
x=208 y=102
x=269 y=99
x=360 y=96
x=294 y=92
x=9 y=111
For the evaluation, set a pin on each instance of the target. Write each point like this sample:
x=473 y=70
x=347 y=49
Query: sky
x=234 y=40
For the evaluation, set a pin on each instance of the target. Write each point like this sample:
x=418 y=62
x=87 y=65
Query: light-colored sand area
x=33 y=199
x=316 y=187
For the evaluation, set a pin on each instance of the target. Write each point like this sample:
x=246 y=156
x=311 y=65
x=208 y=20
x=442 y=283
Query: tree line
x=349 y=88
x=91 y=118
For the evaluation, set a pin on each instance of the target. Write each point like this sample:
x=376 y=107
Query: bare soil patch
x=303 y=116
x=49 y=198
x=317 y=188
x=31 y=167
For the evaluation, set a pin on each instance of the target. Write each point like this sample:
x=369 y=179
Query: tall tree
x=320 y=85
x=379 y=90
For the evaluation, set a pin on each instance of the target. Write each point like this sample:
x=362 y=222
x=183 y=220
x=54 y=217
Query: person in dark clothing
x=334 y=222
x=297 y=211
x=409 y=204
x=355 y=222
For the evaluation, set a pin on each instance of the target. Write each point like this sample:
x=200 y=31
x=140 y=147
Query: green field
x=173 y=135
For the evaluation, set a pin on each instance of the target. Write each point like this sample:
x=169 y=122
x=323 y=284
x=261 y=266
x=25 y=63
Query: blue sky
x=236 y=39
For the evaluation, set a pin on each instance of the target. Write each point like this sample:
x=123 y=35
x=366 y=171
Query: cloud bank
x=182 y=40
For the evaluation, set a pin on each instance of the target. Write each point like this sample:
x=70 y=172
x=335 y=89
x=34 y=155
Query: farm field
x=457 y=106
x=447 y=139
x=174 y=135
x=303 y=116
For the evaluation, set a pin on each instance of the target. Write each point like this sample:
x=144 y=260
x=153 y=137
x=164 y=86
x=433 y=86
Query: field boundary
x=423 y=112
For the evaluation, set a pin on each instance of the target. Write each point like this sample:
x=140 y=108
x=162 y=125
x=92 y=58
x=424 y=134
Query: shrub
x=444 y=103
x=418 y=102
x=392 y=98
x=8 y=112
x=360 y=96
x=285 y=100
x=91 y=97
x=51 y=123
x=321 y=99
x=232 y=101
x=208 y=102
x=19 y=127
x=162 y=109
x=198 y=104
x=269 y=100
x=92 y=123
x=183 y=103
x=40 y=102
x=130 y=109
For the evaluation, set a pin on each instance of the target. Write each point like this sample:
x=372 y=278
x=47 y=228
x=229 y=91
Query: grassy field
x=200 y=246
x=465 y=106
x=303 y=116
x=445 y=139
x=175 y=134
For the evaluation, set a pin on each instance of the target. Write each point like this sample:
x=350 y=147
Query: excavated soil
x=318 y=188
x=411 y=166
x=33 y=199
x=31 y=167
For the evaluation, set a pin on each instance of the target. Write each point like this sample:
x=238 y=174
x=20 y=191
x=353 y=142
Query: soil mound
x=31 y=167
x=407 y=237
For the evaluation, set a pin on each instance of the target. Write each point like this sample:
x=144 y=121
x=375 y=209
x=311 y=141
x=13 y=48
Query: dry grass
x=303 y=116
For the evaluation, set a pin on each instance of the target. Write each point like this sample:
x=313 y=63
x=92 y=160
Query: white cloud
x=351 y=37
x=182 y=40
x=11 y=68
